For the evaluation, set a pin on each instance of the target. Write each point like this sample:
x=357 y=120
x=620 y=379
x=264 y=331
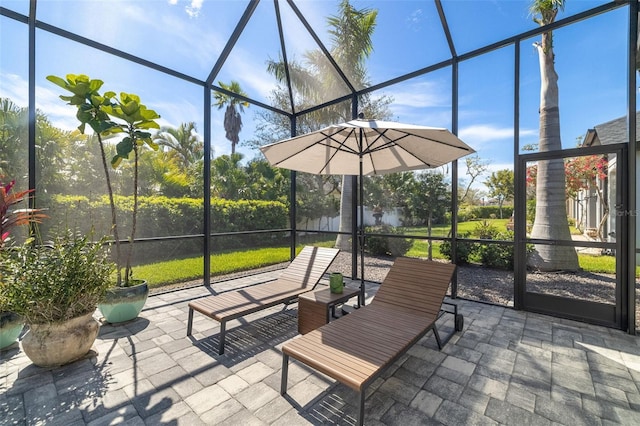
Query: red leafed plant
x=585 y=172
x=11 y=218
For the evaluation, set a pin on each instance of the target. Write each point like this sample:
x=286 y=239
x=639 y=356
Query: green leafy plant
x=499 y=255
x=56 y=281
x=464 y=249
x=109 y=115
x=485 y=230
x=387 y=245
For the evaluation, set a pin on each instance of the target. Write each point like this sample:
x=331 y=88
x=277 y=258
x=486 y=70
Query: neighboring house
x=587 y=209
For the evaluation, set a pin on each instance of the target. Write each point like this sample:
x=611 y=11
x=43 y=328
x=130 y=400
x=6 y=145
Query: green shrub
x=464 y=250
x=531 y=210
x=485 y=230
x=498 y=255
x=386 y=245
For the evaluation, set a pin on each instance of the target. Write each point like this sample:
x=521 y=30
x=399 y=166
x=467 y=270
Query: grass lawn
x=420 y=249
x=602 y=264
x=595 y=263
x=463 y=227
x=181 y=270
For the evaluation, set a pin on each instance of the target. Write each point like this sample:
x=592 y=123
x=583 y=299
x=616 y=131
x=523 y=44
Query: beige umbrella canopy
x=367 y=147
x=383 y=146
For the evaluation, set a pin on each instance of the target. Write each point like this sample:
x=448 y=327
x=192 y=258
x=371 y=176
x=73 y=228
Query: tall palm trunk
x=346 y=216
x=551 y=211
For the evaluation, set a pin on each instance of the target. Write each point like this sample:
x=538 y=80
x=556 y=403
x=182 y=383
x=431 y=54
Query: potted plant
x=11 y=323
x=56 y=288
x=109 y=115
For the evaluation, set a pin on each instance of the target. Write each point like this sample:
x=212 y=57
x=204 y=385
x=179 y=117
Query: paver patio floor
x=505 y=367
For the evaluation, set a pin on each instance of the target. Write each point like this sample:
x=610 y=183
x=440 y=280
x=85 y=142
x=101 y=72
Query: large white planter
x=49 y=345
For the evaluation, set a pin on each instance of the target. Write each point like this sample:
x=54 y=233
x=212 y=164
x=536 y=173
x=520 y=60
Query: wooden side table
x=316 y=307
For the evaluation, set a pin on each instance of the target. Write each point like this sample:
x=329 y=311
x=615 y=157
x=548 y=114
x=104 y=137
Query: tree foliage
x=315 y=80
x=587 y=173
x=475 y=167
x=501 y=186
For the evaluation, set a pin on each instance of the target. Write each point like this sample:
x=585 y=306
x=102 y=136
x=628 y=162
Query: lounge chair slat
x=302 y=275
x=356 y=348
x=381 y=343
x=331 y=364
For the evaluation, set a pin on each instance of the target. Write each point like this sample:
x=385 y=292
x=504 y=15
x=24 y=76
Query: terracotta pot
x=123 y=304
x=49 y=345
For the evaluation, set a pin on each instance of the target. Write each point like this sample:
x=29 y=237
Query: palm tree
x=180 y=166
x=13 y=141
x=228 y=178
x=183 y=143
x=232 y=117
x=551 y=212
x=351 y=32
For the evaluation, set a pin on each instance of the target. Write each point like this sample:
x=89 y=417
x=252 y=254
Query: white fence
x=332 y=224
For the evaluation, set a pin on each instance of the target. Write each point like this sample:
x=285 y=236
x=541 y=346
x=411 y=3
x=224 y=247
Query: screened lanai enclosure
x=542 y=217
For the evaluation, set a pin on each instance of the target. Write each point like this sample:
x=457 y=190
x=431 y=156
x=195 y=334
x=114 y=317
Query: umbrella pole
x=361 y=232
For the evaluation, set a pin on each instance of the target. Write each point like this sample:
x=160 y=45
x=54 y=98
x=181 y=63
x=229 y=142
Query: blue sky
x=189 y=36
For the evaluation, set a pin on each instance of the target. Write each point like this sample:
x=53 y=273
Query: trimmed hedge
x=163 y=217
x=483 y=212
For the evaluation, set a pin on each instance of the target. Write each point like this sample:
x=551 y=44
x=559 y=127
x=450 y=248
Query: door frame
x=610 y=315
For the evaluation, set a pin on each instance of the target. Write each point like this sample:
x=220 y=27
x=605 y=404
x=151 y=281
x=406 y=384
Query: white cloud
x=485 y=132
x=415 y=20
x=15 y=87
x=432 y=118
x=424 y=94
x=242 y=65
x=481 y=133
x=199 y=45
x=59 y=113
x=315 y=13
x=478 y=184
x=193 y=10
x=12 y=86
x=499 y=166
x=176 y=112
x=63 y=116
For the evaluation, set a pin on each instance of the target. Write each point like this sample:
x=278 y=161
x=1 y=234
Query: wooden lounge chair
x=356 y=349
x=302 y=275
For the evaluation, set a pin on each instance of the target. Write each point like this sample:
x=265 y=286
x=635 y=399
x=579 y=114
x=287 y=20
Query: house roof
x=611 y=132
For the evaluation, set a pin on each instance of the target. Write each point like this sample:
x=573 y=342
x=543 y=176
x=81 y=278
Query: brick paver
x=506 y=367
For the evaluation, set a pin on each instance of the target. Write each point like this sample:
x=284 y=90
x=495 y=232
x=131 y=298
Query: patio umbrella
x=366 y=147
